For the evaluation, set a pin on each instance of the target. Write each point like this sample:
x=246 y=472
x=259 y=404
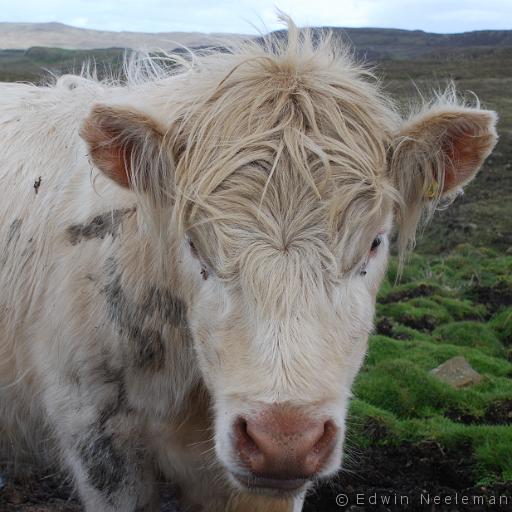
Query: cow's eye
x=373 y=249
x=195 y=253
x=193 y=249
x=375 y=244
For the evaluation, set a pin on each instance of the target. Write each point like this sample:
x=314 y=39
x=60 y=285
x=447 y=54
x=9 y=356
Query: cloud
x=248 y=16
x=79 y=22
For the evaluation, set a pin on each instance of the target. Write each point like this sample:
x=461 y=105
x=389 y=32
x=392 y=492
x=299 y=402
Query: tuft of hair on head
x=299 y=99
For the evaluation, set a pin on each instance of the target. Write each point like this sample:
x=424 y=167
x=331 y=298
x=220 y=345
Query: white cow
x=189 y=264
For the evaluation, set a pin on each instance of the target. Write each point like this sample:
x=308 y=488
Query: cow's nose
x=284 y=446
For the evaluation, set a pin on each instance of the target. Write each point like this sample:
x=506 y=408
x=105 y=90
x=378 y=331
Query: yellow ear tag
x=432 y=190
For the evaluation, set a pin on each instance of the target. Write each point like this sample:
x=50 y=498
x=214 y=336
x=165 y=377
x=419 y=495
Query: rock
x=457 y=372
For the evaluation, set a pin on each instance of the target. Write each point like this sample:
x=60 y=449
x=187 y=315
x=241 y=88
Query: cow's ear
x=435 y=154
x=127 y=146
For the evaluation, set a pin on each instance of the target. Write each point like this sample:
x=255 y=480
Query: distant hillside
x=407 y=44
x=382 y=43
x=375 y=43
x=57 y=35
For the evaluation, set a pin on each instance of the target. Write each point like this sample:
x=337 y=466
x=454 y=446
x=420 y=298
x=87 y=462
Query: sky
x=251 y=16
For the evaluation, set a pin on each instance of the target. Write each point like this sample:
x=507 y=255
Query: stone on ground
x=457 y=372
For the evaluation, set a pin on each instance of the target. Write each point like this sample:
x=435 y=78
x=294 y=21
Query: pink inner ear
x=461 y=159
x=465 y=148
x=115 y=136
x=116 y=161
x=120 y=165
x=105 y=149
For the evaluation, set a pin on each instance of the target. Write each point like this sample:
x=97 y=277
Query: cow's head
x=281 y=172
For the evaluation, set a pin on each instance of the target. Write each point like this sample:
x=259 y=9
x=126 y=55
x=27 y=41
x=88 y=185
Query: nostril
x=245 y=443
x=329 y=435
x=322 y=448
x=240 y=428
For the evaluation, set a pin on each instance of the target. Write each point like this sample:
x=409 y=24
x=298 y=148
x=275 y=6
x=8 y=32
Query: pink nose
x=282 y=445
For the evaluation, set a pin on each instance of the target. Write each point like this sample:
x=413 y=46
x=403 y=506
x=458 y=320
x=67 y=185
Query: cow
x=190 y=258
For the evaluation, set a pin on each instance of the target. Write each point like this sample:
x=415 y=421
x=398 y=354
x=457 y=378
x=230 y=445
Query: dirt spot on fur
x=14 y=232
x=99 y=226
x=37 y=184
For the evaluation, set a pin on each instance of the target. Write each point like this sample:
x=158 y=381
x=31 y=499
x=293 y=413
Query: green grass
x=470 y=334
x=502 y=325
x=37 y=64
x=440 y=310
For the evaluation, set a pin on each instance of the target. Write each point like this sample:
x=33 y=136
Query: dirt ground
x=409 y=477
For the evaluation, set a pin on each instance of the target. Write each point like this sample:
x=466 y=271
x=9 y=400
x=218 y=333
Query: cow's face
x=280 y=320
x=281 y=252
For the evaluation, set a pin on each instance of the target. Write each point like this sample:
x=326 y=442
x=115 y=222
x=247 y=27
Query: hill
x=57 y=35
x=382 y=43
x=377 y=43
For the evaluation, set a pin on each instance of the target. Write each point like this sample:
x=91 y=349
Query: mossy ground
x=445 y=306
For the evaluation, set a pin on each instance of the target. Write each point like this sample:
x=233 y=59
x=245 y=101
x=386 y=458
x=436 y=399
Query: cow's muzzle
x=282 y=448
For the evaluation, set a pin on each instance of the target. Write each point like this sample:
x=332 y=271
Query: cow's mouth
x=271 y=485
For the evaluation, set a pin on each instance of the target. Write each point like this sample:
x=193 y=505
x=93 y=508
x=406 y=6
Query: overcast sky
x=242 y=15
